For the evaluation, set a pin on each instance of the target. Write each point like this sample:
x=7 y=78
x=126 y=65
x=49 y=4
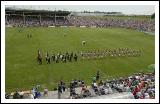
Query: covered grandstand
x=25 y=17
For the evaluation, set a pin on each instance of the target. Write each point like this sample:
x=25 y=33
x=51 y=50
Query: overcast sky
x=126 y=9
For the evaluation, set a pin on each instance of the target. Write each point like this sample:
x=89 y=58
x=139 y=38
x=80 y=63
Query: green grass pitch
x=23 y=72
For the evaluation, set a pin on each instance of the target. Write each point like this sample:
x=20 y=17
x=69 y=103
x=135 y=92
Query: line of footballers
x=110 y=52
x=94 y=54
x=61 y=57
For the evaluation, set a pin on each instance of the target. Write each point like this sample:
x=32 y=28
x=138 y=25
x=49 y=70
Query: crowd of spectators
x=47 y=21
x=141 y=25
x=14 y=20
x=137 y=24
x=140 y=85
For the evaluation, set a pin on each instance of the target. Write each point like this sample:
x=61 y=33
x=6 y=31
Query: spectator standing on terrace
x=21 y=93
x=37 y=93
x=62 y=85
x=31 y=96
x=59 y=91
x=16 y=95
x=45 y=92
x=33 y=92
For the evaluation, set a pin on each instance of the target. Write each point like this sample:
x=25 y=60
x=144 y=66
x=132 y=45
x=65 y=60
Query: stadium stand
x=35 y=17
x=63 y=18
x=136 y=86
